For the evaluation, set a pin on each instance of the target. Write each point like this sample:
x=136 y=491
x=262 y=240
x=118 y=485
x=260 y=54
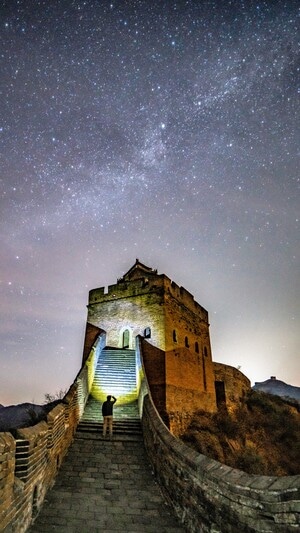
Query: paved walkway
x=105 y=486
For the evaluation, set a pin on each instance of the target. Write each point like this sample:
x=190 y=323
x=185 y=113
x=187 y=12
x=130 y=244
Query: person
x=107 y=413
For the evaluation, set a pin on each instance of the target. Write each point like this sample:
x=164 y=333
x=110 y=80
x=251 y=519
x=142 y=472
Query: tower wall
x=179 y=368
x=190 y=377
x=236 y=384
x=185 y=391
x=134 y=305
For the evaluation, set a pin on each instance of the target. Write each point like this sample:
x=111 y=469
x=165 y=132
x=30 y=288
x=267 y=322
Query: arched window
x=196 y=347
x=147 y=333
x=186 y=342
x=174 y=335
x=126 y=337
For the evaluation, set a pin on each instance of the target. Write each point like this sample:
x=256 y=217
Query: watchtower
x=175 y=330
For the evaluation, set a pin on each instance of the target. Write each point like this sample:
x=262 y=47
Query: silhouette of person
x=107 y=413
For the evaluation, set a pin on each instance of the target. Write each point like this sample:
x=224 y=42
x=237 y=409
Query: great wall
x=151 y=339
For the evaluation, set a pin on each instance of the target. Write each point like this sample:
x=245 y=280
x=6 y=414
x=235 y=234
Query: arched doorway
x=126 y=338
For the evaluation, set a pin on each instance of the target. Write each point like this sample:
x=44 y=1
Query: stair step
x=118 y=426
x=116 y=373
x=125 y=412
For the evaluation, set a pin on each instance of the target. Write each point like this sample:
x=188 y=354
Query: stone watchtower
x=176 y=347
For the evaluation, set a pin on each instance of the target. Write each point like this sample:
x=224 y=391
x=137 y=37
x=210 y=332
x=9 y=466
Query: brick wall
x=208 y=496
x=176 y=383
x=134 y=306
x=91 y=335
x=236 y=384
x=35 y=455
x=29 y=460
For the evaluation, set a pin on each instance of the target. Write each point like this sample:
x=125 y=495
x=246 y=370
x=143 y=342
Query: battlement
x=141 y=282
x=185 y=298
x=126 y=289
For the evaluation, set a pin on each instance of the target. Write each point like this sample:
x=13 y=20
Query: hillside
x=278 y=387
x=261 y=437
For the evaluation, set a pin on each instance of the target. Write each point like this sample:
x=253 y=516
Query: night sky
x=166 y=131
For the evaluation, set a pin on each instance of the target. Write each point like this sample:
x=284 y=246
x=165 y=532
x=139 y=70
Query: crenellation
x=186 y=299
x=124 y=290
x=174 y=286
x=96 y=293
x=28 y=465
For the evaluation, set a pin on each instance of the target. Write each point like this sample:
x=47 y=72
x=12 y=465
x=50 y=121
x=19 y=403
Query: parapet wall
x=159 y=282
x=126 y=289
x=235 y=382
x=177 y=384
x=206 y=495
x=30 y=459
x=29 y=463
x=185 y=298
x=209 y=496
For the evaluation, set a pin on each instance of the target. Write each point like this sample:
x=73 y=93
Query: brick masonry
x=30 y=460
x=106 y=486
x=209 y=496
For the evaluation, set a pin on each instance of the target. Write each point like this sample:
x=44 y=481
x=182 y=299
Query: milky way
x=166 y=131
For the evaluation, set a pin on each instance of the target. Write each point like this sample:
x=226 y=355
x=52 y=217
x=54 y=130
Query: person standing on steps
x=107 y=413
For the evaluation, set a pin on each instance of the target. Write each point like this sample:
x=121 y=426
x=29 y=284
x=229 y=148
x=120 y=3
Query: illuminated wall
x=180 y=370
x=132 y=306
x=144 y=299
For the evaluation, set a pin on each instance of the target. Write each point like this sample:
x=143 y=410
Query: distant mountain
x=279 y=388
x=23 y=415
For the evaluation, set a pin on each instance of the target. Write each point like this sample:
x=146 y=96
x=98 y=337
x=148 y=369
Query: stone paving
x=105 y=486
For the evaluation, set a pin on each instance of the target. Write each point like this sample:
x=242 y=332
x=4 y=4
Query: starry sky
x=166 y=131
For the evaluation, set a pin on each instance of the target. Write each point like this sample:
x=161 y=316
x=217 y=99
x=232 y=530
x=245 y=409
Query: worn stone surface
x=105 y=486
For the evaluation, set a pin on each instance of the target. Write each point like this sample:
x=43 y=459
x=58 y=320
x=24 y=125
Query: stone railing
x=31 y=457
x=211 y=497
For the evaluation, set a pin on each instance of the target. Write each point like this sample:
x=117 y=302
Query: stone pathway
x=105 y=486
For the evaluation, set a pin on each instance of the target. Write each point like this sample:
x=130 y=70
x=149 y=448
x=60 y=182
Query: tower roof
x=138 y=271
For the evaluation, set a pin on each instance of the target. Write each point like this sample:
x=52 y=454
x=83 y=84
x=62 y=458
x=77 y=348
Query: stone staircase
x=115 y=374
x=107 y=484
x=126 y=424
